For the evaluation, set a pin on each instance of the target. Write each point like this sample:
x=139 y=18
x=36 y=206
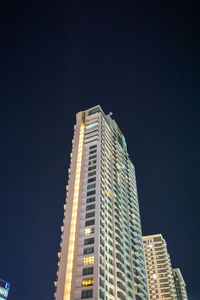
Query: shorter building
x=4 y=289
x=158 y=268
x=180 y=285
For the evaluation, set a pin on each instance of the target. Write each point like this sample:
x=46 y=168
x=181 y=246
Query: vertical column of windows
x=106 y=221
x=89 y=208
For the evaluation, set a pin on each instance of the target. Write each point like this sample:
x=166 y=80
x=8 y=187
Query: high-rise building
x=4 y=289
x=180 y=285
x=158 y=267
x=101 y=252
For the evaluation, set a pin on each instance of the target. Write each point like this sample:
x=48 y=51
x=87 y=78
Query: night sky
x=138 y=59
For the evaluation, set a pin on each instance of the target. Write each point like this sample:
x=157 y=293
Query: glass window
x=92 y=162
x=92 y=168
x=91 y=173
x=87 y=282
x=87 y=271
x=91 y=179
x=88 y=260
x=90 y=214
x=93 y=156
x=86 y=294
x=93 y=146
x=89 y=241
x=91 y=126
x=91 y=193
x=91 y=206
x=91 y=186
x=88 y=250
x=89 y=200
x=89 y=231
x=93 y=151
x=90 y=222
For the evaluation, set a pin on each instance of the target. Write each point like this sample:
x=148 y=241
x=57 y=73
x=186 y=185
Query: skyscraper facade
x=158 y=266
x=4 y=289
x=180 y=285
x=101 y=252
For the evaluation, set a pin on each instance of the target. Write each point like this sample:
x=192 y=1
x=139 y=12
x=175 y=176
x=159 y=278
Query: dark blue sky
x=138 y=59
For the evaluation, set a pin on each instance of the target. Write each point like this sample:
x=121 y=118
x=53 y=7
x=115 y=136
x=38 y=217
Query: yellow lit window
x=87 y=282
x=89 y=231
x=102 y=261
x=110 y=193
x=88 y=260
x=136 y=288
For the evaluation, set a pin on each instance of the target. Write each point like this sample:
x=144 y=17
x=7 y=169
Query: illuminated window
x=88 y=260
x=89 y=231
x=87 y=282
x=92 y=162
x=102 y=261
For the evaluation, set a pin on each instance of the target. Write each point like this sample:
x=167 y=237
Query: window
x=91 y=206
x=89 y=241
x=90 y=214
x=110 y=280
x=88 y=250
x=91 y=186
x=86 y=294
x=92 y=168
x=91 y=173
x=89 y=200
x=93 y=151
x=90 y=222
x=91 y=126
x=87 y=282
x=89 y=231
x=87 y=271
x=111 y=291
x=91 y=179
x=88 y=260
x=93 y=156
x=92 y=162
x=93 y=146
x=91 y=193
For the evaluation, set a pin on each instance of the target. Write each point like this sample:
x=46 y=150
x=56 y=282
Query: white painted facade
x=101 y=252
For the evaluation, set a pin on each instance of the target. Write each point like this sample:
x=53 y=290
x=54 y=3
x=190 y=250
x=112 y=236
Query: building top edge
x=152 y=236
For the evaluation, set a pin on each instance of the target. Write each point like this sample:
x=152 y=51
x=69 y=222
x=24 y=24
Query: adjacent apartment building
x=180 y=285
x=158 y=267
x=4 y=289
x=101 y=252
